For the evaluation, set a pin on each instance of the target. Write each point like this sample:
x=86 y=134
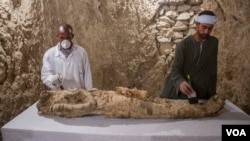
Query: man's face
x=64 y=34
x=204 y=30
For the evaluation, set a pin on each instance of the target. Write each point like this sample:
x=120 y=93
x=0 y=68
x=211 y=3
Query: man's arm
x=47 y=73
x=214 y=63
x=87 y=75
x=176 y=72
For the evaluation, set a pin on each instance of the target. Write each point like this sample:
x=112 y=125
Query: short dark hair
x=206 y=12
x=67 y=27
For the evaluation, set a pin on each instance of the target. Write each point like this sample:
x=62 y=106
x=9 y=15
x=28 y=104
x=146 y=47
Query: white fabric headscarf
x=206 y=19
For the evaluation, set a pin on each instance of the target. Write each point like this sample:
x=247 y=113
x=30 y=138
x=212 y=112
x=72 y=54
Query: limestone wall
x=129 y=43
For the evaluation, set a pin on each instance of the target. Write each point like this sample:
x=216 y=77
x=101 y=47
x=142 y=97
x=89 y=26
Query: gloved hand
x=57 y=80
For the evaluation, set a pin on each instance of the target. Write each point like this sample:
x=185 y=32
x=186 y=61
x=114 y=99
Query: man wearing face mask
x=194 y=70
x=66 y=65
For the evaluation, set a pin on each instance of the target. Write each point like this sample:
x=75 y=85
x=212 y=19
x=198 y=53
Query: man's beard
x=204 y=36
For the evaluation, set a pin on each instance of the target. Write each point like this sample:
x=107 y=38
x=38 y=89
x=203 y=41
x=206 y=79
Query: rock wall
x=129 y=43
x=233 y=30
x=20 y=56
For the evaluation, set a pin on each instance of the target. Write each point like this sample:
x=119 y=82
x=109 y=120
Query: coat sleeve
x=176 y=75
x=47 y=72
x=214 y=63
x=87 y=75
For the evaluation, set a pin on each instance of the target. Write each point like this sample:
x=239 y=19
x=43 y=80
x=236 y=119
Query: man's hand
x=57 y=80
x=186 y=88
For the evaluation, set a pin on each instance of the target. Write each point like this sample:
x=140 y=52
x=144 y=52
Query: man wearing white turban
x=194 y=69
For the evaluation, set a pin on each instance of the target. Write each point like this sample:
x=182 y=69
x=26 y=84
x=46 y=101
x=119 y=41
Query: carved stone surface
x=122 y=103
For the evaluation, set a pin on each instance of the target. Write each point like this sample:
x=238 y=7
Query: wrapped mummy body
x=122 y=103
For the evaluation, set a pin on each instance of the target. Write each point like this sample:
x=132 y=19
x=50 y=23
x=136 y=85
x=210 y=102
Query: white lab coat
x=75 y=70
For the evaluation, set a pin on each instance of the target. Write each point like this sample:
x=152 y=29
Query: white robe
x=75 y=69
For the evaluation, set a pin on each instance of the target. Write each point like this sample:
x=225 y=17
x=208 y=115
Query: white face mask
x=65 y=44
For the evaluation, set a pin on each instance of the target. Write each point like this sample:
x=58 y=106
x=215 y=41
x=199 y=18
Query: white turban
x=206 y=19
